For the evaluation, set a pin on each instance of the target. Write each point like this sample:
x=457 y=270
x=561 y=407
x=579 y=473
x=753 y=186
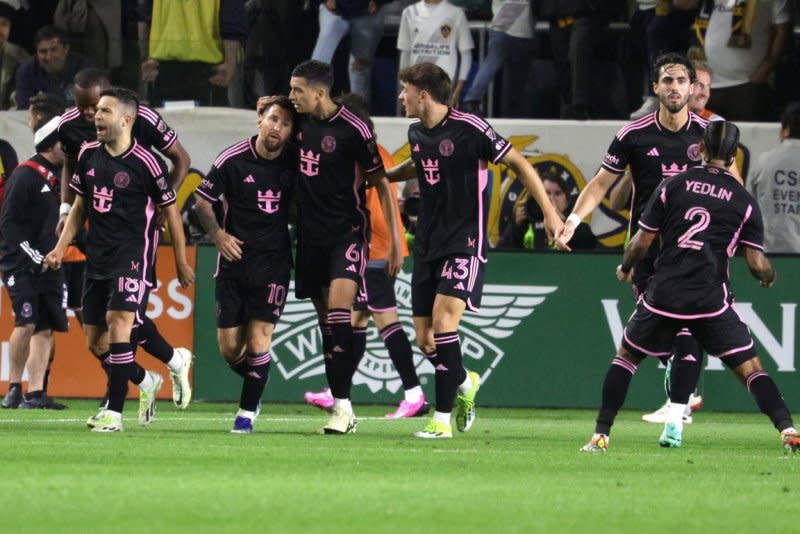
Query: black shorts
x=459 y=276
x=377 y=295
x=38 y=299
x=245 y=298
x=725 y=336
x=318 y=264
x=73 y=276
x=125 y=291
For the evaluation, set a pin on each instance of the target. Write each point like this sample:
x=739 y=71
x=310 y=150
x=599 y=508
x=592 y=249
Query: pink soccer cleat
x=322 y=400
x=409 y=409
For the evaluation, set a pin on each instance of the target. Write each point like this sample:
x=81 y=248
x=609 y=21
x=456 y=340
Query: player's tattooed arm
x=175 y=224
x=591 y=197
x=229 y=246
x=403 y=172
x=760 y=267
x=636 y=250
x=620 y=195
x=180 y=159
x=67 y=194
x=394 y=262
x=73 y=224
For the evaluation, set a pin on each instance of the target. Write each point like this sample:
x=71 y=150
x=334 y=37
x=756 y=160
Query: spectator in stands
x=95 y=28
x=436 y=31
x=8 y=162
x=11 y=56
x=775 y=183
x=742 y=41
x=363 y=20
x=701 y=91
x=526 y=229
x=511 y=44
x=191 y=47
x=52 y=68
x=44 y=105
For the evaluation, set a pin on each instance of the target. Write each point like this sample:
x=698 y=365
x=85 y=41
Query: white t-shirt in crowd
x=733 y=66
x=435 y=33
x=512 y=17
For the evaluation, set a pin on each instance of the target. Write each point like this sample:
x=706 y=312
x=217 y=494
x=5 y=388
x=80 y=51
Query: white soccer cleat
x=147 y=399
x=660 y=416
x=181 y=386
x=107 y=421
x=340 y=422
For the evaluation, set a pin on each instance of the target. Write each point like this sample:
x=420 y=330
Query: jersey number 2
x=703 y=219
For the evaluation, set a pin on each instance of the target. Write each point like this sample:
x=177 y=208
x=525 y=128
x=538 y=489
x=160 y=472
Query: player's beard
x=669 y=106
x=271 y=144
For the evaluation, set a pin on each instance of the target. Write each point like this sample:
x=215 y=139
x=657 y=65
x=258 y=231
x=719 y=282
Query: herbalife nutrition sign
x=548 y=328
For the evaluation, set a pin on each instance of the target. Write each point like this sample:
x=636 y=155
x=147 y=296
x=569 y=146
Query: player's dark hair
x=283 y=102
x=315 y=72
x=358 y=106
x=672 y=59
x=790 y=119
x=46 y=104
x=123 y=96
x=91 y=77
x=45 y=33
x=721 y=140
x=430 y=78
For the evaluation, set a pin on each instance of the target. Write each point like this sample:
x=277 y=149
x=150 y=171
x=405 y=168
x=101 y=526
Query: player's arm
x=72 y=225
x=229 y=246
x=760 y=266
x=591 y=197
x=67 y=194
x=394 y=262
x=175 y=224
x=636 y=250
x=620 y=195
x=177 y=154
x=403 y=172
x=533 y=183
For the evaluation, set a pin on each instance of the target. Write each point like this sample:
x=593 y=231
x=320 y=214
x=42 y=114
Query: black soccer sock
x=769 y=399
x=255 y=380
x=327 y=344
x=359 y=347
x=615 y=389
x=120 y=366
x=450 y=371
x=396 y=341
x=341 y=377
x=46 y=379
x=686 y=367
x=151 y=340
x=240 y=366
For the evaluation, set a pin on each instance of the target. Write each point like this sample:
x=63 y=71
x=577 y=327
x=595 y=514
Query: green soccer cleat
x=598 y=443
x=181 y=387
x=465 y=404
x=671 y=436
x=107 y=421
x=147 y=399
x=96 y=418
x=435 y=430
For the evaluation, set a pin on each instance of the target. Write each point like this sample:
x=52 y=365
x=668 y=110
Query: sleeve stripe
x=238 y=148
x=148 y=159
x=86 y=146
x=479 y=122
x=751 y=244
x=148 y=114
x=609 y=168
x=168 y=202
x=644 y=122
x=206 y=195
x=78 y=190
x=68 y=116
x=35 y=255
x=169 y=144
x=648 y=228
x=360 y=125
x=503 y=152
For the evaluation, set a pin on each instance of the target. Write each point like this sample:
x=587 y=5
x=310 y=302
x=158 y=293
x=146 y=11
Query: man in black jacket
x=28 y=220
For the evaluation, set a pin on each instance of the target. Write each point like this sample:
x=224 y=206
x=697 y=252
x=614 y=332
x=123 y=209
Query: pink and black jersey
x=336 y=154
x=702 y=216
x=256 y=195
x=149 y=130
x=451 y=161
x=121 y=194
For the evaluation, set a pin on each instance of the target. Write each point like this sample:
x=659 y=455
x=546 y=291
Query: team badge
x=122 y=180
x=693 y=152
x=446 y=30
x=328 y=144
x=27 y=310
x=446 y=147
x=161 y=127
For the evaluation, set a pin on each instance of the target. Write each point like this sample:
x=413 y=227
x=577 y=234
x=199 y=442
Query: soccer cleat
x=598 y=443
x=33 y=403
x=409 y=409
x=465 y=404
x=242 y=425
x=322 y=400
x=50 y=404
x=435 y=430
x=695 y=403
x=107 y=422
x=13 y=398
x=671 y=436
x=181 y=387
x=340 y=422
x=96 y=418
x=660 y=416
x=791 y=440
x=147 y=399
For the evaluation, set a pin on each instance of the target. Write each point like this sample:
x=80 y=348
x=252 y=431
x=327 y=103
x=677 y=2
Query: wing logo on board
x=297 y=344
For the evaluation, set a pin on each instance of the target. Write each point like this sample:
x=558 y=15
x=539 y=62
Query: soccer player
x=149 y=129
x=338 y=155
x=449 y=152
x=257 y=178
x=701 y=216
x=27 y=230
x=378 y=300
x=119 y=185
x=662 y=144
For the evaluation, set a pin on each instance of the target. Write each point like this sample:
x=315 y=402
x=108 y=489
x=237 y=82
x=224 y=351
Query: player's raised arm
x=591 y=197
x=533 y=183
x=760 y=267
x=402 y=172
x=175 y=224
x=636 y=250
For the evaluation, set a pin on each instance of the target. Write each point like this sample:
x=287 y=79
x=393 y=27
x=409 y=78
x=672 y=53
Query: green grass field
x=516 y=471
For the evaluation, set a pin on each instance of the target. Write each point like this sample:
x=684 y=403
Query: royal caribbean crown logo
x=297 y=345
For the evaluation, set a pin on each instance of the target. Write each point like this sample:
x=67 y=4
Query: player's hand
x=624 y=277
x=149 y=70
x=223 y=74
x=228 y=246
x=564 y=234
x=53 y=260
x=394 y=262
x=62 y=220
x=765 y=284
x=161 y=218
x=185 y=274
x=261 y=104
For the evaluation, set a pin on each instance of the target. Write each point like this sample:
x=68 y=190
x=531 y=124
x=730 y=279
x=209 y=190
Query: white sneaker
x=340 y=422
x=660 y=416
x=94 y=420
x=108 y=422
x=181 y=387
x=147 y=399
x=649 y=105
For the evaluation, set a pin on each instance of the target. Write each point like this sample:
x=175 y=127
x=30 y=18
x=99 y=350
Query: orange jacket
x=379 y=244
